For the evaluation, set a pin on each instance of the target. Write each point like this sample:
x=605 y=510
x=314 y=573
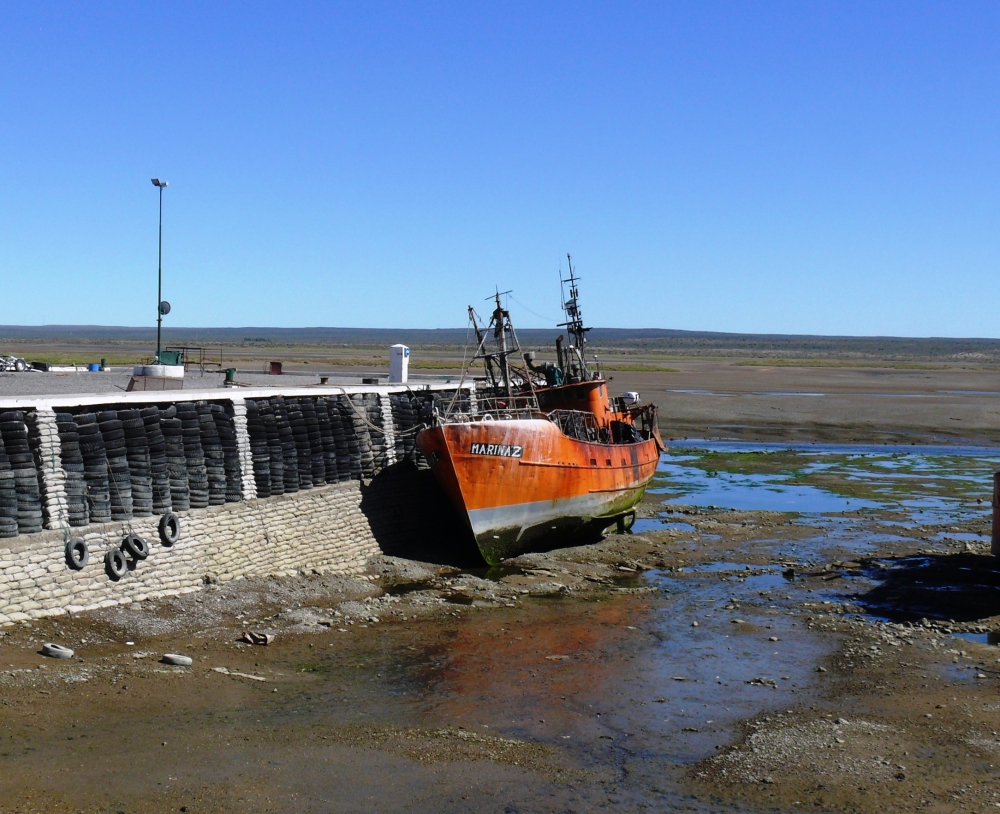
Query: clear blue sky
x=758 y=166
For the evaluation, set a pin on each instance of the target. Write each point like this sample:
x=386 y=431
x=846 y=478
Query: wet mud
x=786 y=629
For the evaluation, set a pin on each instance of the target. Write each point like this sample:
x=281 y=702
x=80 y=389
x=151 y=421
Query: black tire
x=115 y=564
x=77 y=553
x=135 y=547
x=170 y=529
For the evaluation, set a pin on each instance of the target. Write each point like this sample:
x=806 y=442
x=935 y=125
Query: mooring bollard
x=995 y=541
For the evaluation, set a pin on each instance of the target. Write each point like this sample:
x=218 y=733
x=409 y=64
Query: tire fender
x=170 y=529
x=115 y=564
x=77 y=553
x=135 y=547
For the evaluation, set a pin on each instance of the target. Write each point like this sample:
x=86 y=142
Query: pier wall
x=265 y=482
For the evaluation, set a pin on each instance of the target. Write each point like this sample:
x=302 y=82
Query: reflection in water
x=591 y=676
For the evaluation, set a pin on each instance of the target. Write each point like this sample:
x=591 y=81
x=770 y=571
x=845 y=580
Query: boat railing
x=498 y=405
x=501 y=415
x=645 y=419
x=578 y=424
x=495 y=408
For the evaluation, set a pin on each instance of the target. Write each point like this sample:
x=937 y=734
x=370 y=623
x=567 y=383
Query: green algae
x=889 y=478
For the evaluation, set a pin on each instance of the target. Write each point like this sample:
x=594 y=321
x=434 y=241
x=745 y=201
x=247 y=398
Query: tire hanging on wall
x=115 y=564
x=77 y=553
x=170 y=529
x=135 y=547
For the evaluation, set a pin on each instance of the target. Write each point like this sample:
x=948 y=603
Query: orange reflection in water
x=546 y=663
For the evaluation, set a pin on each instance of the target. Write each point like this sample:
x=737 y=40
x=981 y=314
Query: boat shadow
x=410 y=516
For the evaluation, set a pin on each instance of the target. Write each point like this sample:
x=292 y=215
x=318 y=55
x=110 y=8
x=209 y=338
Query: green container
x=171 y=357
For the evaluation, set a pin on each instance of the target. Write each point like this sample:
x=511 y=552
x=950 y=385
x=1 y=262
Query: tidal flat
x=787 y=628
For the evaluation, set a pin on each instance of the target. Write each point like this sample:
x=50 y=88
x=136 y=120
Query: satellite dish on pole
x=164 y=307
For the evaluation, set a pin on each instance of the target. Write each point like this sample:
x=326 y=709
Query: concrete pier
x=264 y=481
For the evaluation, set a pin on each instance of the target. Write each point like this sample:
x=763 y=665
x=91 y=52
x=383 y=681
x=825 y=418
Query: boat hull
x=522 y=483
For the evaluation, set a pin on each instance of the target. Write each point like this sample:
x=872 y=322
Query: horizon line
x=636 y=333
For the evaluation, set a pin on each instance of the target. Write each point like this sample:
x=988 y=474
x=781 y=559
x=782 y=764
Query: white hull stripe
x=526 y=515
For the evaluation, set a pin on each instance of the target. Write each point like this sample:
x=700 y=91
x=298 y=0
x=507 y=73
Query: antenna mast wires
x=503 y=373
x=578 y=370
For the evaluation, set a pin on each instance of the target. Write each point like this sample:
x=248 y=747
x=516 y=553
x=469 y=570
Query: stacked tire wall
x=305 y=443
x=121 y=462
x=26 y=507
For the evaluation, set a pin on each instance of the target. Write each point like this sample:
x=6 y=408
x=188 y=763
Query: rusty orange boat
x=540 y=453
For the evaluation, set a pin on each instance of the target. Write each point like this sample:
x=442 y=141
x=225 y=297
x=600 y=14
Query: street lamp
x=160 y=310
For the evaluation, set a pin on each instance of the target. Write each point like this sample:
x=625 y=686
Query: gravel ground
x=560 y=681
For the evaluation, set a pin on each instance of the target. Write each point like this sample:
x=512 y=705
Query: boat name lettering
x=499 y=450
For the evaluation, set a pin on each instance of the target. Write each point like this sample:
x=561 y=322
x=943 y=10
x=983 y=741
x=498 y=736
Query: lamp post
x=161 y=185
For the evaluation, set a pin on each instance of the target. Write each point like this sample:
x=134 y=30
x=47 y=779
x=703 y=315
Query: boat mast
x=496 y=360
x=480 y=343
x=574 y=325
x=501 y=324
x=504 y=377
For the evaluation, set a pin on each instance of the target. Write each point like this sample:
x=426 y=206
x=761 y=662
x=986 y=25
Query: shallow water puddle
x=929 y=485
x=695 y=487
x=661 y=523
x=992 y=637
x=729 y=647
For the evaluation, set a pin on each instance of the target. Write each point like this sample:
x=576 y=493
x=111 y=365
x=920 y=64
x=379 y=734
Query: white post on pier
x=399 y=364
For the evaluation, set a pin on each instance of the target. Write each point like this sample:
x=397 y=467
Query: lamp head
x=158 y=183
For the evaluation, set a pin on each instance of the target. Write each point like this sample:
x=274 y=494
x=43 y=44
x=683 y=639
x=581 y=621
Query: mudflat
x=831 y=397
x=790 y=626
x=731 y=398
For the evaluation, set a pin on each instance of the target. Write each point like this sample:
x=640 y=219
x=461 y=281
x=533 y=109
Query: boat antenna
x=574 y=320
x=501 y=327
x=504 y=375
